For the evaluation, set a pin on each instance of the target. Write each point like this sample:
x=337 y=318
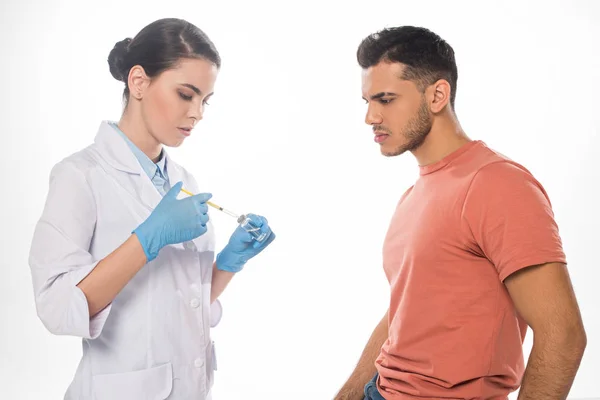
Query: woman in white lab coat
x=119 y=256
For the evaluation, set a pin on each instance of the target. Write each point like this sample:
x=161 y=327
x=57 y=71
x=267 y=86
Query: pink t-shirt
x=470 y=221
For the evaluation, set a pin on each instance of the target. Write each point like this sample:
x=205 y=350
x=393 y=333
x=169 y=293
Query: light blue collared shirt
x=157 y=172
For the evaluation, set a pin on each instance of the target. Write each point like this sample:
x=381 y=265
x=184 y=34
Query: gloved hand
x=242 y=247
x=173 y=221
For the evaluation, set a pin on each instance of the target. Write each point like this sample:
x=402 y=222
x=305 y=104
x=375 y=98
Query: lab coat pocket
x=211 y=363
x=147 y=384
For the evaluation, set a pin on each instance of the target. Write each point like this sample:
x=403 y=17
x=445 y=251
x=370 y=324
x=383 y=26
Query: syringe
x=244 y=221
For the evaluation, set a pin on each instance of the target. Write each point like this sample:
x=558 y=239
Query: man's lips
x=380 y=137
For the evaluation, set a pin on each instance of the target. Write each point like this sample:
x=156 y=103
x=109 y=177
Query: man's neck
x=446 y=136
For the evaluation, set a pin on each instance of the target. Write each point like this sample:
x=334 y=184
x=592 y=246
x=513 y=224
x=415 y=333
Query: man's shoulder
x=490 y=164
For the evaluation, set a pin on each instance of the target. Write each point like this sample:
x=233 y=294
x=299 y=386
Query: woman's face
x=172 y=103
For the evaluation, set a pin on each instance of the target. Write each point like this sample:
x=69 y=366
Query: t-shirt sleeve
x=510 y=219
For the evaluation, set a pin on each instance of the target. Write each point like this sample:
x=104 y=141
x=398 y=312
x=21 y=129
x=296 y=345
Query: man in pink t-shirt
x=473 y=254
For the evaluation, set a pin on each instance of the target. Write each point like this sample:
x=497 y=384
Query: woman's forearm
x=220 y=280
x=111 y=274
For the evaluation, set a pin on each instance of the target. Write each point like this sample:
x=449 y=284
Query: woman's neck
x=136 y=131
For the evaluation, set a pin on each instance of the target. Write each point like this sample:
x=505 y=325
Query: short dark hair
x=160 y=46
x=427 y=56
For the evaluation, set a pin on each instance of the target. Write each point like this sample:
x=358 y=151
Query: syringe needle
x=213 y=205
x=222 y=209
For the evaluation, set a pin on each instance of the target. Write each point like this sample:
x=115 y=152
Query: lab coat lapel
x=126 y=170
x=174 y=171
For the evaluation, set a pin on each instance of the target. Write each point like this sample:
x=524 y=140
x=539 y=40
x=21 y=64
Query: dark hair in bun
x=158 y=47
x=116 y=60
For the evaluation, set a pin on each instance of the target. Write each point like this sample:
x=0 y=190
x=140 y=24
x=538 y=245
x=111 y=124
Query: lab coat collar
x=174 y=171
x=148 y=166
x=115 y=151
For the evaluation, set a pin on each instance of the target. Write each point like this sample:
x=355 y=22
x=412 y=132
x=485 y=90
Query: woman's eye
x=185 y=97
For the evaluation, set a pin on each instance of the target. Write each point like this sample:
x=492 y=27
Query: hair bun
x=116 y=60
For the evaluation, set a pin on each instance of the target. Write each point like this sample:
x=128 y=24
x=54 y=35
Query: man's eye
x=385 y=101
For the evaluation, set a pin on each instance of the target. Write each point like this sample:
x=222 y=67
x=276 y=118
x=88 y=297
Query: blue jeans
x=371 y=392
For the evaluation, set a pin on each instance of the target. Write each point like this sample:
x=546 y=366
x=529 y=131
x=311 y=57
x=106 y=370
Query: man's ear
x=439 y=95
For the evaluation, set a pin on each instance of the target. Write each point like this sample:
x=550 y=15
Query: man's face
x=397 y=110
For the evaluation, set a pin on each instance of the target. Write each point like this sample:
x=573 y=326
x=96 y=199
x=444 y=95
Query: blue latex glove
x=173 y=221
x=242 y=247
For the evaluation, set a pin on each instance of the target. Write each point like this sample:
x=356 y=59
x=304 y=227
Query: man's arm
x=365 y=369
x=544 y=297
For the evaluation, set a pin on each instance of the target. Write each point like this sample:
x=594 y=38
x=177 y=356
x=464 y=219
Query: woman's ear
x=137 y=81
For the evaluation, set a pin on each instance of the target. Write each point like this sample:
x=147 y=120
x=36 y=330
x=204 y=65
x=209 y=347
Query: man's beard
x=415 y=131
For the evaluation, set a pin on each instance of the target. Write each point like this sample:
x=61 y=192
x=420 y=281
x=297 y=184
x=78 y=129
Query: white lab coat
x=153 y=341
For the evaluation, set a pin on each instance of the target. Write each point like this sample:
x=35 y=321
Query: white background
x=284 y=137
